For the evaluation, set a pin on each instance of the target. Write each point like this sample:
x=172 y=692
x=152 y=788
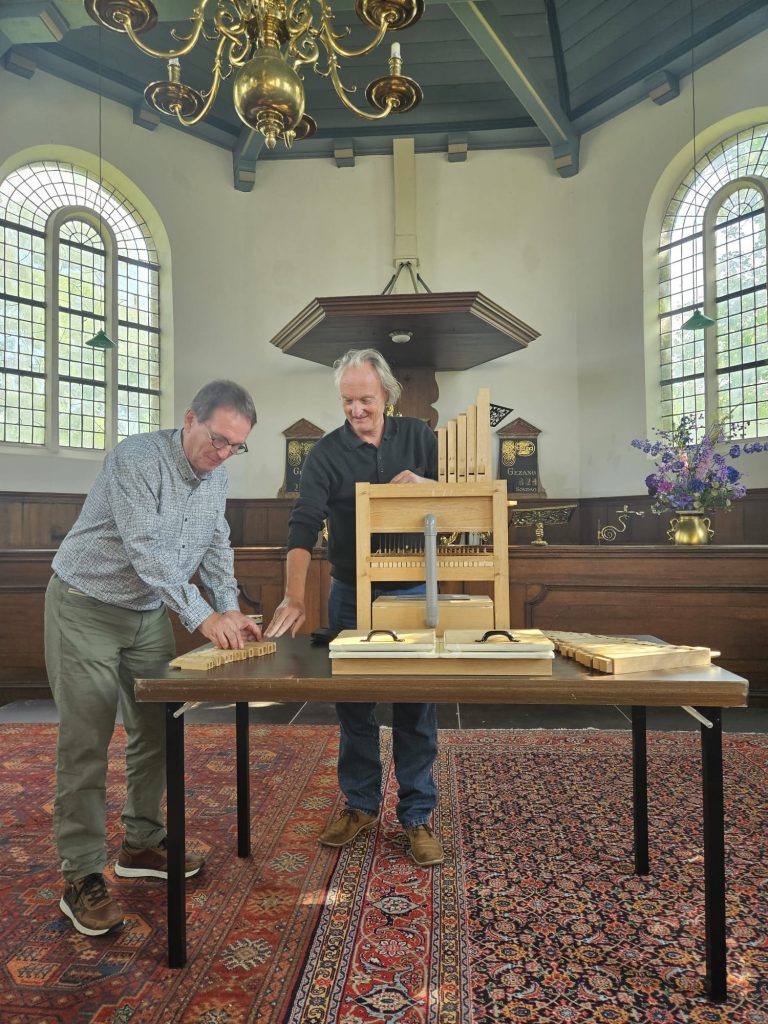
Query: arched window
x=76 y=257
x=712 y=257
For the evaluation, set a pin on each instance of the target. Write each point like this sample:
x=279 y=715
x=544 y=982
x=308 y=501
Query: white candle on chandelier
x=395 y=51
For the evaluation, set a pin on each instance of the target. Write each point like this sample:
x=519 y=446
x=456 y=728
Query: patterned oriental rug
x=534 y=917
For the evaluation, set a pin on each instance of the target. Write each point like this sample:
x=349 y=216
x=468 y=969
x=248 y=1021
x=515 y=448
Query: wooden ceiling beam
x=34 y=21
x=344 y=152
x=244 y=158
x=489 y=32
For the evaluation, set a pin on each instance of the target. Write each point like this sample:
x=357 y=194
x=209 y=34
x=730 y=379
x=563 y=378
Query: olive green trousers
x=93 y=651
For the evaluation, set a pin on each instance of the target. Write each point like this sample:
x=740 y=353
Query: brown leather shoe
x=425 y=846
x=347 y=827
x=88 y=905
x=152 y=862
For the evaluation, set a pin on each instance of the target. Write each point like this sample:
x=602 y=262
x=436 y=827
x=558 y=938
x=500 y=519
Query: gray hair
x=222 y=394
x=357 y=357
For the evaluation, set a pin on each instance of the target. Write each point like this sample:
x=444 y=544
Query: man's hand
x=290 y=614
x=408 y=477
x=230 y=629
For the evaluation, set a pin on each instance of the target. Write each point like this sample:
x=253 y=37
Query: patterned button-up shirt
x=148 y=524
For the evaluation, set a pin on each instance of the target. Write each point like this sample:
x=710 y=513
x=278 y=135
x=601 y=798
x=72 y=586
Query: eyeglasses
x=220 y=442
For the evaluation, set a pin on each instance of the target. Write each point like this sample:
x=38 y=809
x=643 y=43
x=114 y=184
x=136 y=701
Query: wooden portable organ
x=469 y=522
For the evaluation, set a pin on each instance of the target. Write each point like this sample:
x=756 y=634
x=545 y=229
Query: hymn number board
x=519 y=458
x=300 y=439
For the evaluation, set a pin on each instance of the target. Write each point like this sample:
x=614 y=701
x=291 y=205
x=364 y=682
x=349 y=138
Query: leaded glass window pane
x=742 y=343
x=737 y=245
x=138 y=355
x=86 y=404
x=22 y=335
x=81 y=313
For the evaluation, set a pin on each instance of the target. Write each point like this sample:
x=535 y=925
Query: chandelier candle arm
x=331 y=39
x=210 y=97
x=197 y=18
x=341 y=92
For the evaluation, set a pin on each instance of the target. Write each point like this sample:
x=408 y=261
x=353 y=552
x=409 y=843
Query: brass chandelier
x=263 y=43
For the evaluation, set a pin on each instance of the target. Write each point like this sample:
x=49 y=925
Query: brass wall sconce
x=610 y=532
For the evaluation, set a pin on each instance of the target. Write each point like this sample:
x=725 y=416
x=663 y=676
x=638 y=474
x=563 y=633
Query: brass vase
x=690 y=528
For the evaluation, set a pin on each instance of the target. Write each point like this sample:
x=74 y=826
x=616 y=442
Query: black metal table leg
x=174 y=776
x=714 y=853
x=242 y=759
x=640 y=789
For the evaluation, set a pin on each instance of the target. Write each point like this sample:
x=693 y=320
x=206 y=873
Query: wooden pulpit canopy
x=449 y=330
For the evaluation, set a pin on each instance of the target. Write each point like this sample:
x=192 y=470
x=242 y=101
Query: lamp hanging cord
x=693 y=103
x=101 y=178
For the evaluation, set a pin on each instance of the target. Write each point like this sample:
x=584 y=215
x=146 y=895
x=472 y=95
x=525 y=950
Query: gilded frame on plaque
x=519 y=458
x=300 y=439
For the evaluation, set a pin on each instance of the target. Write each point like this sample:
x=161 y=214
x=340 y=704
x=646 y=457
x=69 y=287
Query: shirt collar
x=351 y=440
x=182 y=463
x=390 y=427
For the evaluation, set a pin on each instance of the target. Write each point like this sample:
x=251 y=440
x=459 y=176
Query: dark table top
x=300 y=672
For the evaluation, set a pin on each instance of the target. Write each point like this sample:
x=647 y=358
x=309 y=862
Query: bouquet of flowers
x=691 y=475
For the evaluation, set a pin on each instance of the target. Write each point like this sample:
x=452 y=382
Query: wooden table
x=299 y=672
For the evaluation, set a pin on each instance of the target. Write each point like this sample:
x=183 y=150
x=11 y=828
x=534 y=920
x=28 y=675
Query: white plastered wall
x=568 y=256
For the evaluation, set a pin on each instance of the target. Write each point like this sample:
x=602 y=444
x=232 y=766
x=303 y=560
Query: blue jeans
x=414 y=736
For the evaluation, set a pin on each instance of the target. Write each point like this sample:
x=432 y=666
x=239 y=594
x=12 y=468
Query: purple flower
x=690 y=473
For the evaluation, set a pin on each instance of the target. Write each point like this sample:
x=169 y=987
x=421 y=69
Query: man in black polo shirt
x=374 y=448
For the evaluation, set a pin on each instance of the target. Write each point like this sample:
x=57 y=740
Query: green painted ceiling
x=495 y=73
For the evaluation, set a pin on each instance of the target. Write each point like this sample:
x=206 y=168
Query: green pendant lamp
x=698 y=321
x=101 y=339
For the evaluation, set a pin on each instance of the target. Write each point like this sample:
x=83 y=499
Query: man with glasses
x=153 y=518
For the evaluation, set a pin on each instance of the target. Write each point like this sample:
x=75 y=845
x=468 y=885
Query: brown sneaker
x=425 y=846
x=347 y=827
x=88 y=905
x=152 y=862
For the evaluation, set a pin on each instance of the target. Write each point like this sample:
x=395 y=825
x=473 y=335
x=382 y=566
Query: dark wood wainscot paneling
x=24 y=575
x=29 y=520
x=42 y=520
x=260 y=522
x=745 y=523
x=714 y=596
